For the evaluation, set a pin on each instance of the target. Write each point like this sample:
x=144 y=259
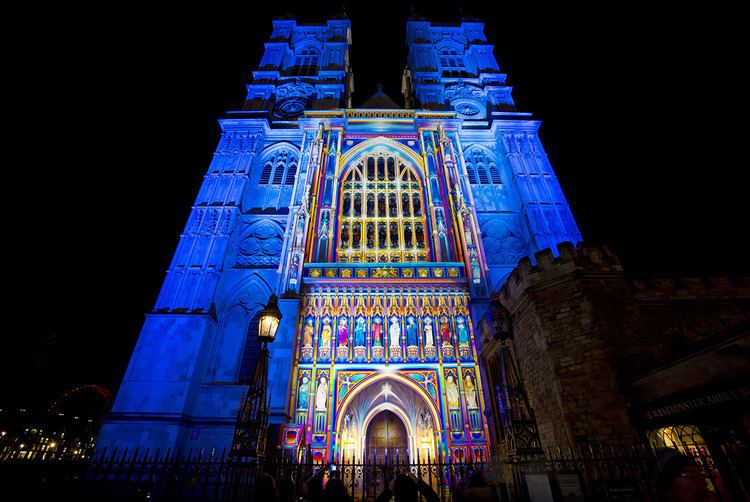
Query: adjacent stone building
x=577 y=353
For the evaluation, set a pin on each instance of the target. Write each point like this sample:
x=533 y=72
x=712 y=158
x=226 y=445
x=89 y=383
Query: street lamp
x=252 y=418
x=270 y=317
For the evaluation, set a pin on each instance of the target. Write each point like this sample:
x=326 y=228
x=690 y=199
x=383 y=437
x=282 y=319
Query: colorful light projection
x=407 y=350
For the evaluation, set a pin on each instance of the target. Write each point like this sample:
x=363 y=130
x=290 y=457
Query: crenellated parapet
x=548 y=266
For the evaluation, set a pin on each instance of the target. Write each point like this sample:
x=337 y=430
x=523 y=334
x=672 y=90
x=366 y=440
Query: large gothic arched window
x=382 y=212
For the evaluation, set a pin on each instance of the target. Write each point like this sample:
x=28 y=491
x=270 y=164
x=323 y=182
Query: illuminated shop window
x=381 y=208
x=688 y=440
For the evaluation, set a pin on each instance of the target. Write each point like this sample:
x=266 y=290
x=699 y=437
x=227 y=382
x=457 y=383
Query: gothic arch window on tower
x=451 y=59
x=382 y=212
x=481 y=168
x=280 y=167
x=306 y=61
x=452 y=62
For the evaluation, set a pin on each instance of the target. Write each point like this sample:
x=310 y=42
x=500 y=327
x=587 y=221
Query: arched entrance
x=387 y=412
x=387 y=438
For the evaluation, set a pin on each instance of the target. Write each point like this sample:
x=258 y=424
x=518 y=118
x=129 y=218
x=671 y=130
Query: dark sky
x=114 y=123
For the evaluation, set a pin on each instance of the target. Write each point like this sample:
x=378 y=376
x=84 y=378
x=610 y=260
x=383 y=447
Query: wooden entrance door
x=386 y=435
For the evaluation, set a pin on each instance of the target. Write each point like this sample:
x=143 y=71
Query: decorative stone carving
x=261 y=246
x=503 y=244
x=291 y=98
x=467 y=100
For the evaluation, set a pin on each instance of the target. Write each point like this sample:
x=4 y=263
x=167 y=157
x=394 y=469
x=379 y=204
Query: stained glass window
x=382 y=212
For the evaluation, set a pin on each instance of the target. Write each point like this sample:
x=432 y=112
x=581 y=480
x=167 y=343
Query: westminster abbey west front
x=434 y=303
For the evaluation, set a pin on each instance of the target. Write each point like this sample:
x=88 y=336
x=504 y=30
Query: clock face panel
x=468 y=108
x=289 y=108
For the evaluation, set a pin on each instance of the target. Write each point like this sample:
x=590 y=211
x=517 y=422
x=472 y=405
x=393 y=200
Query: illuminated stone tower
x=383 y=230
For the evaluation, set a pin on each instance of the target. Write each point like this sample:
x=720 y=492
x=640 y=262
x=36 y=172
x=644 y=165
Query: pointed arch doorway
x=411 y=425
x=387 y=438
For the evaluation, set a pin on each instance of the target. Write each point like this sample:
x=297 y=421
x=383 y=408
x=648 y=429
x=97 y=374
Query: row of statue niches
x=380 y=332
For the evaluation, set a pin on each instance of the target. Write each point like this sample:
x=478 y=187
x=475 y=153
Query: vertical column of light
x=461 y=169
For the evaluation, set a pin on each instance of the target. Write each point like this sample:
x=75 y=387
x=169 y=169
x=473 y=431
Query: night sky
x=114 y=125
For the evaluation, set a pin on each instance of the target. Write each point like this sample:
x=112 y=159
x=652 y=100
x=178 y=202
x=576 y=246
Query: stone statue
x=395 y=332
x=475 y=267
x=451 y=392
x=445 y=331
x=471 y=392
x=359 y=332
x=304 y=393
x=377 y=333
x=300 y=232
x=321 y=396
x=411 y=333
x=308 y=333
x=343 y=335
x=467 y=231
x=429 y=339
x=463 y=333
x=325 y=334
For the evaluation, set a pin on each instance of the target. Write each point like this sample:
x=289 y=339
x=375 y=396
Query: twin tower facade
x=383 y=230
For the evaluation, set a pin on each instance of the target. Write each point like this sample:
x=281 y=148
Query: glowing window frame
x=357 y=172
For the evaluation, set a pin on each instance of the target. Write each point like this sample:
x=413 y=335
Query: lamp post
x=252 y=418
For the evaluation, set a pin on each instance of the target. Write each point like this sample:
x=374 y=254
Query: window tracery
x=481 y=168
x=306 y=61
x=382 y=217
x=279 y=168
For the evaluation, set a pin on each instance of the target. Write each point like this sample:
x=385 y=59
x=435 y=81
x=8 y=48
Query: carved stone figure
x=451 y=392
x=445 y=330
x=321 y=396
x=343 y=334
x=475 y=270
x=304 y=393
x=300 y=234
x=307 y=337
x=395 y=332
x=429 y=339
x=463 y=333
x=325 y=334
x=411 y=333
x=471 y=392
x=359 y=332
x=377 y=333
